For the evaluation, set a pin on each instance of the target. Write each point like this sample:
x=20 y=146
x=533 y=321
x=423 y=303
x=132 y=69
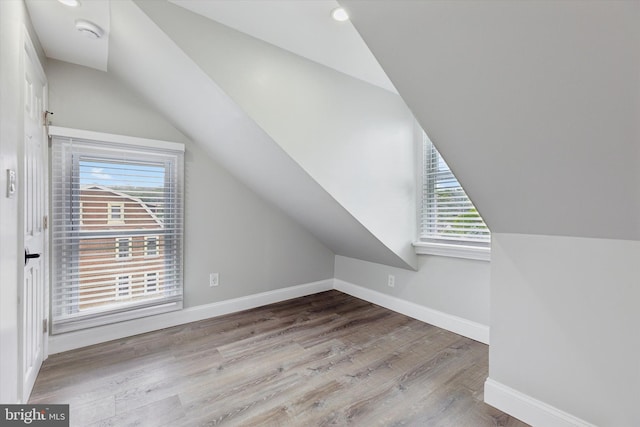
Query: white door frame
x=29 y=49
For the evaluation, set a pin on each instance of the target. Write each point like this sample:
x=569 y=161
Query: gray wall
x=451 y=285
x=564 y=324
x=228 y=228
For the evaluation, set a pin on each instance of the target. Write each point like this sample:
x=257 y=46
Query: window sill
x=101 y=318
x=452 y=250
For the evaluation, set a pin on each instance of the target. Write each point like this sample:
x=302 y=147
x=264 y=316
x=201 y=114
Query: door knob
x=28 y=256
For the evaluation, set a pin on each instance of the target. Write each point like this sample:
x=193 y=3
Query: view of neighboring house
x=121 y=248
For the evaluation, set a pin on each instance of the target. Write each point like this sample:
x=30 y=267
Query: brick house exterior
x=121 y=248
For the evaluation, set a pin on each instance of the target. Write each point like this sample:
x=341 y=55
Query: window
x=151 y=246
x=151 y=282
x=449 y=223
x=115 y=212
x=123 y=287
x=126 y=261
x=123 y=247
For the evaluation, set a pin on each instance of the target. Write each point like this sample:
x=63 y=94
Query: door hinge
x=45 y=325
x=45 y=222
x=45 y=115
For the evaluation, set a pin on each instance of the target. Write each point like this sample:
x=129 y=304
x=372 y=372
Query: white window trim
x=146 y=282
x=66 y=322
x=110 y=219
x=480 y=253
x=108 y=137
x=463 y=249
x=118 y=286
x=114 y=317
x=130 y=251
x=146 y=247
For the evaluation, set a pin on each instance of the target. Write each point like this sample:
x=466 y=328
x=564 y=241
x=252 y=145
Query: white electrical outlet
x=214 y=280
x=391 y=281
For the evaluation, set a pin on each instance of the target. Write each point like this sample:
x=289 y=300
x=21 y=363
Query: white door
x=34 y=192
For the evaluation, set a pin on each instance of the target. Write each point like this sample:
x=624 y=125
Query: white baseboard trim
x=467 y=328
x=86 y=337
x=526 y=408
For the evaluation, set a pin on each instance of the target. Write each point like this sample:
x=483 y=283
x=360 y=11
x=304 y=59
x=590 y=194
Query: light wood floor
x=323 y=360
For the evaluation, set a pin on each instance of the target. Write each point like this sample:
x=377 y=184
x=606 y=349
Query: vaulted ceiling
x=333 y=151
x=529 y=102
x=535 y=105
x=301 y=27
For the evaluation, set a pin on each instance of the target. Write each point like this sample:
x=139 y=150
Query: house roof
x=124 y=196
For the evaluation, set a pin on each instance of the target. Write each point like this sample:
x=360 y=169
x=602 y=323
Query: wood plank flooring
x=324 y=360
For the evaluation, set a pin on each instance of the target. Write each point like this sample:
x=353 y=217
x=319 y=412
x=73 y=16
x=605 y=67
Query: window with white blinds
x=117 y=228
x=447 y=216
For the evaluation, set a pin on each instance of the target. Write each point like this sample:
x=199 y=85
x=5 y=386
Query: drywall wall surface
x=174 y=85
x=454 y=286
x=253 y=245
x=533 y=104
x=14 y=19
x=355 y=139
x=84 y=99
x=564 y=324
x=229 y=229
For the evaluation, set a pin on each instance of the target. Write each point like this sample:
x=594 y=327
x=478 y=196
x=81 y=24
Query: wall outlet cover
x=214 y=279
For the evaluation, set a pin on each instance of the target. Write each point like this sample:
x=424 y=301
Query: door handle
x=28 y=256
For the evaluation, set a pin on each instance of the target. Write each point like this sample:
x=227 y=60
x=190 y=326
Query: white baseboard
x=86 y=337
x=526 y=408
x=467 y=328
x=83 y=338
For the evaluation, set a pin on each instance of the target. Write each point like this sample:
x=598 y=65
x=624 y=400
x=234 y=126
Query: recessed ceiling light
x=72 y=3
x=89 y=29
x=339 y=14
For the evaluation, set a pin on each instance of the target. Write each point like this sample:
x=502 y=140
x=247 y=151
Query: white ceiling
x=302 y=27
x=55 y=26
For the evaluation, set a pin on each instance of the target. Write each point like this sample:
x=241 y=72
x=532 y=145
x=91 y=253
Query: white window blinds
x=113 y=205
x=447 y=215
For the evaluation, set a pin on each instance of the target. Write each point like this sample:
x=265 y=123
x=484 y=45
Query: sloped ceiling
x=535 y=105
x=148 y=60
x=354 y=139
x=302 y=27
